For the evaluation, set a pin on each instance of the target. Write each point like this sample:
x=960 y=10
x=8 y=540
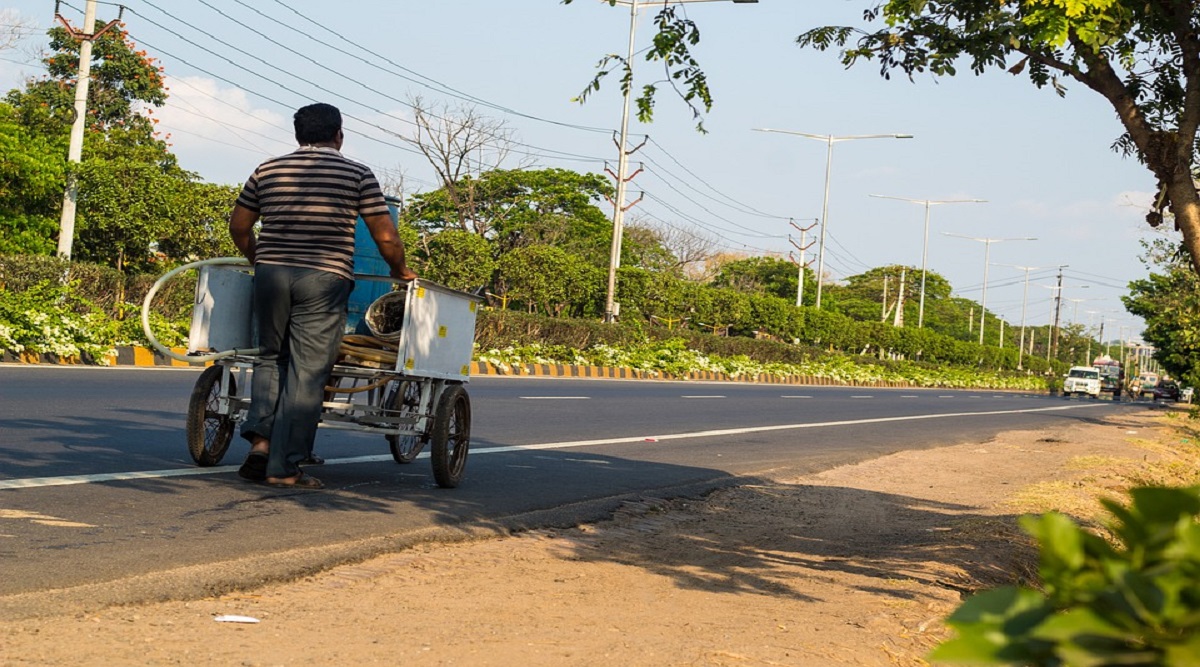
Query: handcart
x=405 y=382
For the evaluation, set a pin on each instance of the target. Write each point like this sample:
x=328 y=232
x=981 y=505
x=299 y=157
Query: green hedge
x=561 y=339
x=118 y=295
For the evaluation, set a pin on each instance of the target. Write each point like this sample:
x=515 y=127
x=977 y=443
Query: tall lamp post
x=614 y=260
x=829 y=140
x=1024 y=302
x=987 y=249
x=925 y=245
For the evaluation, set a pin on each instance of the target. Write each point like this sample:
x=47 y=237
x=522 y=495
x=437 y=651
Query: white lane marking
x=36 y=482
x=910 y=396
x=862 y=397
x=701 y=396
x=945 y=397
x=786 y=396
x=554 y=398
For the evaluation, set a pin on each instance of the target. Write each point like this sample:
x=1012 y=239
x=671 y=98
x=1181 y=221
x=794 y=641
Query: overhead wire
x=433 y=84
x=252 y=91
x=538 y=151
x=733 y=203
x=749 y=231
x=716 y=231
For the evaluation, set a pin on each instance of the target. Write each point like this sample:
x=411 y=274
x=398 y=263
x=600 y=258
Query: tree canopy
x=516 y=208
x=134 y=198
x=1169 y=301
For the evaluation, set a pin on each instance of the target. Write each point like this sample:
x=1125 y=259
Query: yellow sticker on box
x=442 y=331
x=409 y=363
x=465 y=370
x=471 y=306
x=420 y=292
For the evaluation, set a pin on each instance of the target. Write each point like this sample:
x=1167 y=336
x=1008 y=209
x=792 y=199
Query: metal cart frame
x=420 y=401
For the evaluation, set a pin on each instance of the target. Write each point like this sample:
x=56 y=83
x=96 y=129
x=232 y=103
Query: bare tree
x=460 y=144
x=392 y=182
x=14 y=29
x=684 y=251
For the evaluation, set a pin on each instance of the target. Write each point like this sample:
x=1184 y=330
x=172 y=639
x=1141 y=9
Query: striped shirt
x=309 y=201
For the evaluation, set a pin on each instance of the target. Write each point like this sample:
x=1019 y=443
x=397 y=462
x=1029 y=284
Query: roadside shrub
x=1135 y=602
x=50 y=317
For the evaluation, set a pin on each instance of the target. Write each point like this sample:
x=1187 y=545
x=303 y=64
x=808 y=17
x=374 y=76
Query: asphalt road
x=97 y=487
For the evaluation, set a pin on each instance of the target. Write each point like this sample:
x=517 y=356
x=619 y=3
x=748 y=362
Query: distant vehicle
x=1112 y=376
x=1167 y=390
x=1145 y=383
x=1082 y=380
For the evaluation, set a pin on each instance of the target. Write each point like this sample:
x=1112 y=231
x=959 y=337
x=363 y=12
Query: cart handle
x=191 y=359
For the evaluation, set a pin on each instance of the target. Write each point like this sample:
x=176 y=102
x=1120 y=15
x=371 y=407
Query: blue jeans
x=301 y=317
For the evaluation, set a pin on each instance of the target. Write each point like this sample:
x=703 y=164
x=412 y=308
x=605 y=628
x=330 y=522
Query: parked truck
x=1112 y=376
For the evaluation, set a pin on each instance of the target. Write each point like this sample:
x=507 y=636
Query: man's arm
x=383 y=230
x=241 y=229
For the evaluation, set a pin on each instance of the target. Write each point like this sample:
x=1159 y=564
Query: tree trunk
x=1185 y=204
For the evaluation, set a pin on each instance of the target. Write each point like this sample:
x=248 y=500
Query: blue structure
x=367 y=261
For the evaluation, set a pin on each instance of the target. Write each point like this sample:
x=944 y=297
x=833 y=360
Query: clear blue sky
x=1042 y=163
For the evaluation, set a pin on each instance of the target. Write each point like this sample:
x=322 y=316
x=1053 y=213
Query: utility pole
x=898 y=321
x=801 y=247
x=1057 y=310
x=883 y=306
x=612 y=309
x=66 y=224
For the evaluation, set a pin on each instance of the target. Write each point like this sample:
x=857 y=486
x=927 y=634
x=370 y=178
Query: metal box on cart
x=438 y=334
x=223 y=312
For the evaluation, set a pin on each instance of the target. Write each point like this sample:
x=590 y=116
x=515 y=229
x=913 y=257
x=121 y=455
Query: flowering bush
x=52 y=318
x=673 y=358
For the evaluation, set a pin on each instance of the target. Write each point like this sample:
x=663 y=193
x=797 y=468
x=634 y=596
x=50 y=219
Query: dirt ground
x=854 y=566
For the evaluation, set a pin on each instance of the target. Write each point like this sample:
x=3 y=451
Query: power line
x=744 y=208
x=436 y=85
x=752 y=232
x=540 y=152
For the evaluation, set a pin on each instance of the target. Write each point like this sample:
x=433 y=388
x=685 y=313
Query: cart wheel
x=450 y=436
x=208 y=431
x=405 y=399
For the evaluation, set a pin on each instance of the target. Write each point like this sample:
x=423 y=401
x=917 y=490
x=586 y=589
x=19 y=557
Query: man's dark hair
x=317 y=123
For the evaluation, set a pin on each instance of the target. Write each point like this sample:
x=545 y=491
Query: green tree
x=1141 y=57
x=760 y=275
x=547 y=278
x=518 y=208
x=134 y=199
x=1169 y=302
x=458 y=259
x=32 y=173
x=643 y=246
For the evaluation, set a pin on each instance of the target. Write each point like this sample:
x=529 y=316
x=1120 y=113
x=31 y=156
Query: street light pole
x=614 y=258
x=925 y=243
x=1024 y=302
x=829 y=140
x=987 y=243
